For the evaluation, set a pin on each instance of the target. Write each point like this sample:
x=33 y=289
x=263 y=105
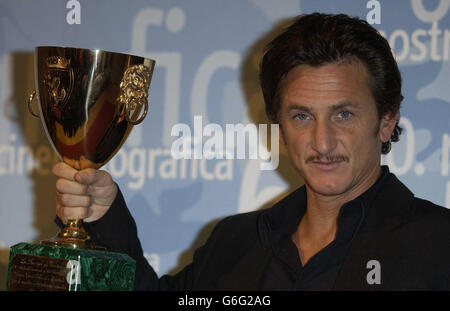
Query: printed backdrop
x=207 y=54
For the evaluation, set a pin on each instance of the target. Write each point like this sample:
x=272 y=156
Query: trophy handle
x=133 y=104
x=30 y=100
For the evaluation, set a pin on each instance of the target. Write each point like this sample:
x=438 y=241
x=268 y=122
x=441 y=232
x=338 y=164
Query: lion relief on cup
x=134 y=88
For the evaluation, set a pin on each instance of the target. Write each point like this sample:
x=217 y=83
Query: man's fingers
x=103 y=195
x=71 y=200
x=63 y=170
x=86 y=194
x=93 y=177
x=65 y=213
x=71 y=187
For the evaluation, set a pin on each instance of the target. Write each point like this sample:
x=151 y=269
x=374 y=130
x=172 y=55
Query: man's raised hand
x=86 y=194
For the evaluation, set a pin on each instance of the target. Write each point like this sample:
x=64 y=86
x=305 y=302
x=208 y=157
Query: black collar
x=283 y=218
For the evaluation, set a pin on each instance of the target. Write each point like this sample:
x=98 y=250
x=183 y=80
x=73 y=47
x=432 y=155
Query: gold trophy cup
x=88 y=102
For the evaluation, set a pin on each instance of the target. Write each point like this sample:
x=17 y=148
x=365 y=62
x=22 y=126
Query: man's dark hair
x=320 y=39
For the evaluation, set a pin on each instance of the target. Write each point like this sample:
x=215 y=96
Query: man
x=332 y=84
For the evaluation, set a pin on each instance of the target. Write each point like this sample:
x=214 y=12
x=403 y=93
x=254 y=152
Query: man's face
x=331 y=129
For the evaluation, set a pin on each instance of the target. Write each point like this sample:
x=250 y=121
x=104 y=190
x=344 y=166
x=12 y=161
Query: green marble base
x=45 y=267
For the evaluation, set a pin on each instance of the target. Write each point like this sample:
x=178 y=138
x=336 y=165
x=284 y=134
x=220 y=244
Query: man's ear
x=387 y=126
x=281 y=135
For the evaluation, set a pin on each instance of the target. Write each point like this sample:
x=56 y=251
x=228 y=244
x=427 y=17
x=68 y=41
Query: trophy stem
x=73 y=235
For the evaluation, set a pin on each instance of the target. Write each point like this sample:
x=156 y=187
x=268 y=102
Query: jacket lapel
x=375 y=250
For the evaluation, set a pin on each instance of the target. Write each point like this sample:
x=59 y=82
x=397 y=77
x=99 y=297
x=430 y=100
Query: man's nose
x=323 y=137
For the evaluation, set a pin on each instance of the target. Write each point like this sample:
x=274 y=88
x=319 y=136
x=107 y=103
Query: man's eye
x=301 y=116
x=345 y=114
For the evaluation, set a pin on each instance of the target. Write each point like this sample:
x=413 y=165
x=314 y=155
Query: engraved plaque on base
x=55 y=268
x=39 y=273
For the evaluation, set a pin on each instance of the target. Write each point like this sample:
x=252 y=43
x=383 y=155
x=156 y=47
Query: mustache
x=328 y=158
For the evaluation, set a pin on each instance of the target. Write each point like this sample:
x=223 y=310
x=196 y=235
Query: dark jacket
x=408 y=236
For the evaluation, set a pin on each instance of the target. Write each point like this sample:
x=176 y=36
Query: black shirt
x=285 y=271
